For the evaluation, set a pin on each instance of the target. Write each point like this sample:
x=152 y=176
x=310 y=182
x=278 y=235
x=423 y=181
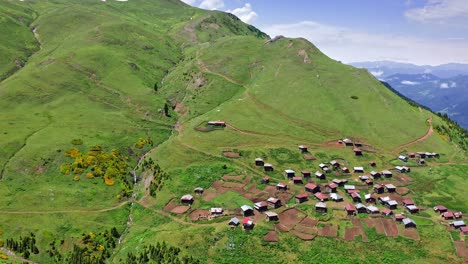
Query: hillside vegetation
x=104 y=112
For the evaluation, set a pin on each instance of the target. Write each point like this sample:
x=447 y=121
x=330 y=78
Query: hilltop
x=106 y=128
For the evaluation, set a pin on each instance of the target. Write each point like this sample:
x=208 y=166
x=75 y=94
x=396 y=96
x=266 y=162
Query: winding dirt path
x=67 y=211
x=429 y=132
x=12 y=254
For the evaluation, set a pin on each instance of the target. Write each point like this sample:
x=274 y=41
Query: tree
x=166 y=110
x=156 y=87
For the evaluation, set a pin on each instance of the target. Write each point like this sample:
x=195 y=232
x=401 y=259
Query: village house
x=358 y=170
x=321 y=197
x=290 y=173
x=321 y=207
x=234 y=222
x=340 y=182
x=268 y=167
x=312 y=188
x=421 y=161
x=402 y=169
x=259 y=162
x=386 y=173
x=379 y=188
x=403 y=158
x=331 y=187
x=386 y=212
x=218 y=123
x=421 y=154
x=464 y=230
x=356 y=197
x=297 y=180
x=274 y=202
x=375 y=175
x=345 y=170
x=348 y=187
x=303 y=148
x=247 y=210
x=350 y=209
x=458 y=224
x=440 y=209
x=357 y=151
x=369 y=182
x=360 y=208
x=364 y=178
x=372 y=209
x=407 y=202
x=336 y=197
x=322 y=165
x=399 y=217
x=372 y=164
x=327 y=170
x=411 y=154
x=248 y=223
x=384 y=199
x=281 y=187
x=261 y=206
x=409 y=223
x=186 y=199
x=305 y=173
x=334 y=164
x=216 y=210
x=412 y=209
x=320 y=175
x=458 y=215
x=271 y=216
x=265 y=179
x=198 y=190
x=392 y=204
x=347 y=142
x=448 y=215
x=369 y=198
x=390 y=188
x=303 y=197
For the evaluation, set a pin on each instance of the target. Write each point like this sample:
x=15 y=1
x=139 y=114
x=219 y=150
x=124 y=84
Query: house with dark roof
x=356 y=197
x=271 y=216
x=345 y=170
x=259 y=162
x=369 y=182
x=375 y=175
x=303 y=197
x=265 y=179
x=421 y=154
x=312 y=188
x=297 y=180
x=321 y=196
x=409 y=223
x=372 y=164
x=274 y=202
x=411 y=154
x=305 y=173
x=281 y=187
x=247 y=210
x=261 y=206
x=321 y=207
x=350 y=209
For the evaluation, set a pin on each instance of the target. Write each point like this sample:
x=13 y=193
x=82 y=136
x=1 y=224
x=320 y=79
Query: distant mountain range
x=383 y=69
x=442 y=88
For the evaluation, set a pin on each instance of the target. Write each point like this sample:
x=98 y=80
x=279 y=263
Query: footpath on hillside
x=429 y=132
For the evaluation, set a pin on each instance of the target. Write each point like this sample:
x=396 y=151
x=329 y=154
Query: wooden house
x=360 y=208
x=289 y=173
x=331 y=187
x=321 y=207
x=303 y=197
x=321 y=196
x=390 y=188
x=412 y=209
x=274 y=202
x=186 y=199
x=271 y=216
x=408 y=223
x=411 y=154
x=259 y=162
x=305 y=173
x=344 y=170
x=281 y=187
x=391 y=204
x=375 y=175
x=403 y=158
x=319 y=175
x=347 y=142
x=261 y=206
x=312 y=188
x=216 y=211
x=247 y=210
x=248 y=223
x=440 y=209
x=268 y=167
x=336 y=197
x=458 y=224
x=357 y=151
x=386 y=173
x=266 y=180
x=350 y=209
x=234 y=222
x=448 y=215
x=303 y=148
x=399 y=217
x=371 y=209
x=369 y=198
x=407 y=202
x=356 y=197
x=297 y=180
x=358 y=170
x=386 y=212
x=372 y=164
x=198 y=190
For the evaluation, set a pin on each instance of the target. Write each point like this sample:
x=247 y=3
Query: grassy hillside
x=140 y=79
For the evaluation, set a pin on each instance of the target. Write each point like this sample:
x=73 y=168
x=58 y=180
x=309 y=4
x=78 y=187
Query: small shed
x=261 y=206
x=198 y=190
x=407 y=202
x=274 y=202
x=440 y=209
x=303 y=148
x=464 y=230
x=281 y=187
x=384 y=199
x=336 y=197
x=458 y=214
x=266 y=180
x=412 y=209
x=350 y=209
x=360 y=208
x=356 y=197
x=334 y=164
x=411 y=154
x=369 y=198
x=348 y=187
x=271 y=216
x=409 y=223
x=458 y=224
x=340 y=182
x=357 y=151
x=331 y=187
x=390 y=188
x=345 y=170
x=297 y=180
x=290 y=173
x=403 y=158
x=247 y=210
x=399 y=217
x=321 y=196
x=321 y=207
x=364 y=178
x=216 y=210
x=372 y=164
x=421 y=154
x=320 y=175
x=312 y=188
x=386 y=173
x=303 y=197
x=347 y=142
x=375 y=175
x=448 y=215
x=379 y=188
x=187 y=199
x=305 y=173
x=386 y=212
x=369 y=182
x=259 y=162
x=268 y=167
x=248 y=223
x=358 y=170
x=217 y=123
x=371 y=209
x=392 y=204
x=234 y=222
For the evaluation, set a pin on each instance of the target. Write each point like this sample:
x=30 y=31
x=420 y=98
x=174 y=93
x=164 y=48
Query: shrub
x=354 y=97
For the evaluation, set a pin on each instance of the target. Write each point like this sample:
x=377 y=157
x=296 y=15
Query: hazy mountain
x=383 y=69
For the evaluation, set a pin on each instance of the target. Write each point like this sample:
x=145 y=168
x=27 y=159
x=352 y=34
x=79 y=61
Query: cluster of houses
x=418 y=156
x=456 y=216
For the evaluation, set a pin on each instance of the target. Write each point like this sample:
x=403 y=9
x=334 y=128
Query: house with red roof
x=440 y=209
x=350 y=209
x=312 y=188
x=303 y=197
x=321 y=196
x=331 y=187
x=297 y=180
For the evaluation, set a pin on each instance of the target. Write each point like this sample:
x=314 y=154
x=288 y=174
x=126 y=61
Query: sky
x=423 y=32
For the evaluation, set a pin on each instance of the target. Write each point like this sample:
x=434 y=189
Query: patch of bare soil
x=281 y=228
x=302 y=236
x=402 y=190
x=328 y=231
x=199 y=214
x=462 y=251
x=237 y=178
x=271 y=237
x=291 y=217
x=209 y=195
x=403 y=179
x=309 y=157
x=411 y=233
x=180 y=209
x=309 y=222
x=170 y=205
x=231 y=154
x=233 y=185
x=391 y=229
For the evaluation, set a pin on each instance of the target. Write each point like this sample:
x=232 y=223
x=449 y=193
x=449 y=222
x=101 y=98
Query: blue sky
x=414 y=31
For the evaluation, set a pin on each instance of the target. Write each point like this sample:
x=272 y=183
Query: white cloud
x=190 y=2
x=377 y=73
x=453 y=84
x=439 y=11
x=350 y=45
x=211 y=4
x=245 y=13
x=409 y=83
x=444 y=86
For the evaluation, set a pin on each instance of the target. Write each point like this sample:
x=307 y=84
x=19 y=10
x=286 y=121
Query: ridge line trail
x=429 y=132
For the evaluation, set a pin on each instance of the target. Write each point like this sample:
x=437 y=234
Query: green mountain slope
x=141 y=79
